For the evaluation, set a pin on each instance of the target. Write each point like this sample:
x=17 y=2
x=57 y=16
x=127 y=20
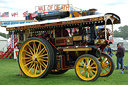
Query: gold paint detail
x=78 y=49
x=77 y=38
x=64 y=40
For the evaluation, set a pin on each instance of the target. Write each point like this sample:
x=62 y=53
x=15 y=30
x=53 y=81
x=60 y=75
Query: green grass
x=9 y=69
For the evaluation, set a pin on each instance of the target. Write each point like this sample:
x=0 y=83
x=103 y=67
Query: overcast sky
x=118 y=7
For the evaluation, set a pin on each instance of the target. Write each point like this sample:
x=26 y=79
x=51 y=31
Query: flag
x=50 y=12
x=25 y=13
x=14 y=14
x=35 y=14
x=44 y=12
x=5 y=14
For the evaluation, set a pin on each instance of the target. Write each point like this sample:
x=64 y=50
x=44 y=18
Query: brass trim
x=77 y=38
x=78 y=49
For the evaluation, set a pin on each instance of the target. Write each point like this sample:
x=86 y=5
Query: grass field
x=9 y=70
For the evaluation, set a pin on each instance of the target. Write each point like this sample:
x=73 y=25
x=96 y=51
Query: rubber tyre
x=44 y=71
x=106 y=65
x=87 y=67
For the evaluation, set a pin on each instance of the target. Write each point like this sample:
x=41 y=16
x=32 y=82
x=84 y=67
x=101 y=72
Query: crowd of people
x=120 y=53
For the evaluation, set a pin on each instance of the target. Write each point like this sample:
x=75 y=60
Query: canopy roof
x=68 y=22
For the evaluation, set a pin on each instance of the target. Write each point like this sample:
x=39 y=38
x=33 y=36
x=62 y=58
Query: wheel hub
x=34 y=58
x=86 y=68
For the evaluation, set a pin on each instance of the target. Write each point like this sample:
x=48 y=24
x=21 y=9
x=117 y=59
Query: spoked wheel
x=54 y=71
x=36 y=58
x=87 y=67
x=107 y=65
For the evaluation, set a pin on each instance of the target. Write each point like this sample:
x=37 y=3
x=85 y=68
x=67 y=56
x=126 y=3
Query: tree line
x=122 y=32
x=4 y=35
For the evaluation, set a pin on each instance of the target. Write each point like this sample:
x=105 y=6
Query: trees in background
x=4 y=35
x=122 y=32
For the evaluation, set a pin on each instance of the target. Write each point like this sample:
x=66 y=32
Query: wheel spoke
x=28 y=63
x=90 y=73
x=36 y=69
x=31 y=67
x=27 y=52
x=93 y=67
x=27 y=58
x=105 y=69
x=81 y=68
x=93 y=71
x=106 y=60
x=43 y=55
x=85 y=73
x=92 y=64
x=28 y=55
x=86 y=61
x=30 y=49
x=89 y=62
x=38 y=48
x=42 y=65
x=103 y=59
x=107 y=64
x=45 y=60
x=34 y=47
x=41 y=51
x=82 y=71
x=83 y=62
x=40 y=68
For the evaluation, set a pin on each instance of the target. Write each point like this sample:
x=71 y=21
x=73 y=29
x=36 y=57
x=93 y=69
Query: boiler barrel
x=53 y=16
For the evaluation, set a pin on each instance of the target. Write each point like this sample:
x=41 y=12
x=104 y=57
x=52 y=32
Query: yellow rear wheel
x=36 y=58
x=87 y=67
x=107 y=65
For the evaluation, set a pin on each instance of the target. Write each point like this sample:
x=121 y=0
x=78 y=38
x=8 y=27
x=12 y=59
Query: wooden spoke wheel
x=107 y=65
x=87 y=67
x=54 y=71
x=36 y=58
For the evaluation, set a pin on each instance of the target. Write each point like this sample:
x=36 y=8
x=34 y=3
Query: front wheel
x=107 y=65
x=87 y=67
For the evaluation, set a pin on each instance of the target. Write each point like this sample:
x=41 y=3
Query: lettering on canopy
x=63 y=7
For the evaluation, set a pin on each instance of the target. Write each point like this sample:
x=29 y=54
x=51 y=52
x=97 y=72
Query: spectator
x=109 y=51
x=105 y=49
x=120 y=55
x=125 y=67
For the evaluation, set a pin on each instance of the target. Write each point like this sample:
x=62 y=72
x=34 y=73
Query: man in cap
x=120 y=55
